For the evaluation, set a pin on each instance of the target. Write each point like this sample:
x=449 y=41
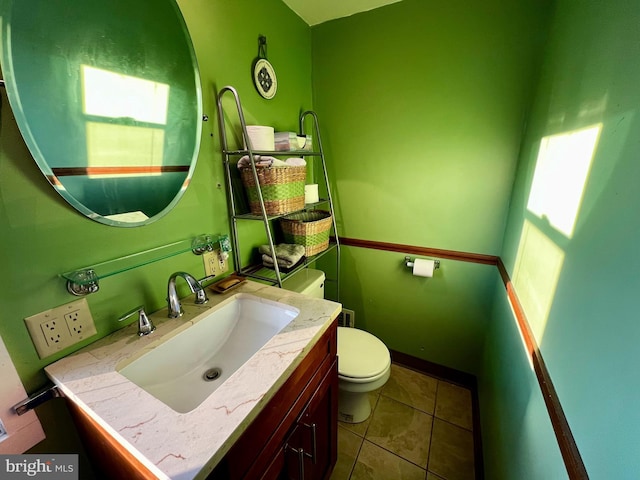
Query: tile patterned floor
x=420 y=429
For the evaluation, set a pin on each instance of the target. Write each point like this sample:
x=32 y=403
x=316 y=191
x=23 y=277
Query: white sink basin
x=185 y=369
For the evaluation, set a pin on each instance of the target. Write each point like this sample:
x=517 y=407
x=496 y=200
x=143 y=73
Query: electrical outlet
x=79 y=320
x=347 y=318
x=214 y=263
x=210 y=260
x=53 y=331
x=222 y=263
x=56 y=329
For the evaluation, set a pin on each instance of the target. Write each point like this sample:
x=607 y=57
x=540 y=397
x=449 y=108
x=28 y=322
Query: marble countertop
x=187 y=445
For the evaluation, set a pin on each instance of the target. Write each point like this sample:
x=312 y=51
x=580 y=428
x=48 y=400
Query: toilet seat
x=362 y=357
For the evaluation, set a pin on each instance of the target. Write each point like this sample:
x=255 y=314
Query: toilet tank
x=307 y=281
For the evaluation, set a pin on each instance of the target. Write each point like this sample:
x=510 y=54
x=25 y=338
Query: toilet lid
x=360 y=354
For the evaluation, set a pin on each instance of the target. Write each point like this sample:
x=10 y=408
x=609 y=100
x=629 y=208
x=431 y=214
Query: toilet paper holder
x=409 y=263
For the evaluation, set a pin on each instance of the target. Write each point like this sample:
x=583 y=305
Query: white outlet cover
x=51 y=331
x=210 y=260
x=214 y=263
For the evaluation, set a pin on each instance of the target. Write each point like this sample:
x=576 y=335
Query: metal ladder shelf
x=274 y=276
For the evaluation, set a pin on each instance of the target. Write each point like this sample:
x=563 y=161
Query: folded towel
x=268 y=262
x=295 y=162
x=267 y=161
x=261 y=161
x=287 y=254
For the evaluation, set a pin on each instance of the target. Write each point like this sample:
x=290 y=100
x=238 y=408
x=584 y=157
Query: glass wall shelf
x=83 y=281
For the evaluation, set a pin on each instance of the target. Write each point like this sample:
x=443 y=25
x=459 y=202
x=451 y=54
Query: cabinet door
x=261 y=447
x=287 y=463
x=311 y=449
x=318 y=428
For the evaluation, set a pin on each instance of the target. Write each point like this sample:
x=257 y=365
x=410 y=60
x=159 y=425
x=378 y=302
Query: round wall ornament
x=264 y=75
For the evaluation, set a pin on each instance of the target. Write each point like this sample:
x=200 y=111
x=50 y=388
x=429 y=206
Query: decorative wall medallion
x=264 y=75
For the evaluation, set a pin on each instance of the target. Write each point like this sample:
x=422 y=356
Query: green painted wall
x=440 y=319
x=589 y=337
x=517 y=437
x=422 y=105
x=43 y=236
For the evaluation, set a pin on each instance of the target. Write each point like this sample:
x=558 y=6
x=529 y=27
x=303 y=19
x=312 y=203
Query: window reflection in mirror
x=108 y=102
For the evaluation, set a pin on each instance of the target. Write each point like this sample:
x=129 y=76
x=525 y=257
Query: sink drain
x=211 y=374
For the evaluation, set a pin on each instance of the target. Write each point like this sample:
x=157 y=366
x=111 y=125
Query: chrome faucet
x=173 y=302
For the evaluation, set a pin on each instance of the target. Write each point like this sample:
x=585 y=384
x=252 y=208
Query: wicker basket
x=282 y=189
x=309 y=229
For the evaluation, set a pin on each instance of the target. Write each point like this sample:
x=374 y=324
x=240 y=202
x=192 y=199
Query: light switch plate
x=56 y=329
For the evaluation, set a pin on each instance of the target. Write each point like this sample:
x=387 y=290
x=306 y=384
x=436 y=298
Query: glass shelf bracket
x=85 y=280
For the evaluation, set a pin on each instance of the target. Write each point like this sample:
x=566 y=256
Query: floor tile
x=411 y=388
x=433 y=476
x=361 y=428
x=401 y=429
x=453 y=404
x=401 y=432
x=375 y=463
x=348 y=447
x=451 y=454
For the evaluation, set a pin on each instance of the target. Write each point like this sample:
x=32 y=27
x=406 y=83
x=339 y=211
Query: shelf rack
x=85 y=280
x=274 y=276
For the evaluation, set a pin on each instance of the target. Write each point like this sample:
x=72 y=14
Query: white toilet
x=364 y=362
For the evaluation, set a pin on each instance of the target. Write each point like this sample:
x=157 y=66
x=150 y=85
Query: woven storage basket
x=282 y=189
x=309 y=229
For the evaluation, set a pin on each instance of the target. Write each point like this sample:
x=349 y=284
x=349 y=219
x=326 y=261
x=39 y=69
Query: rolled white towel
x=261 y=161
x=295 y=162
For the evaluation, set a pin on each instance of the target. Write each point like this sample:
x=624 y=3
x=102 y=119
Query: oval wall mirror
x=107 y=97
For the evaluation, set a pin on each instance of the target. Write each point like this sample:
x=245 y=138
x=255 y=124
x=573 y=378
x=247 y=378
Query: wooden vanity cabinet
x=275 y=443
x=307 y=451
x=295 y=435
x=109 y=458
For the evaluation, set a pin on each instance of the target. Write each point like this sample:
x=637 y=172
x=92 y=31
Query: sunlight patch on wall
x=523 y=340
x=120 y=100
x=562 y=168
x=537 y=270
x=561 y=173
x=113 y=95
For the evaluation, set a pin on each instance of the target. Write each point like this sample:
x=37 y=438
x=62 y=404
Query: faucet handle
x=206 y=279
x=201 y=294
x=145 y=325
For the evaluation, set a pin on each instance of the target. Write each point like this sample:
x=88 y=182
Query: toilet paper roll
x=311 y=193
x=423 y=268
x=261 y=137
